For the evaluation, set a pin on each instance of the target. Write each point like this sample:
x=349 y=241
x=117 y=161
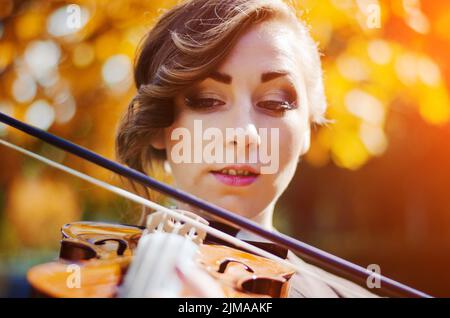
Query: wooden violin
x=101 y=253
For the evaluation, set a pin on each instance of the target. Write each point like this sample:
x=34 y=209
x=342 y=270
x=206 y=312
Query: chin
x=239 y=206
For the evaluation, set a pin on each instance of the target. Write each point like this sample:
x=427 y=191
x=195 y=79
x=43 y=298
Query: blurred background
x=373 y=189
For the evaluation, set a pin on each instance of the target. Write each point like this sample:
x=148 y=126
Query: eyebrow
x=265 y=77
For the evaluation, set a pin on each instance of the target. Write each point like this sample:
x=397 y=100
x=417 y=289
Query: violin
x=129 y=261
x=104 y=252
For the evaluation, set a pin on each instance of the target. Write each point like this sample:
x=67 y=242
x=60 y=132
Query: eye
x=200 y=103
x=277 y=107
x=278 y=101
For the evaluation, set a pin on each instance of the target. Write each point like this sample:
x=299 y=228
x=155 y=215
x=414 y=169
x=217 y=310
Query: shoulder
x=316 y=282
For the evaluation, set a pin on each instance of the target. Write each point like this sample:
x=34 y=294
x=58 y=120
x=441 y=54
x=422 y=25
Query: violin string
x=303 y=268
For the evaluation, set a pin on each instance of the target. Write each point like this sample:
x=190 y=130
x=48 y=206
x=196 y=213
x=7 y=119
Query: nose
x=242 y=134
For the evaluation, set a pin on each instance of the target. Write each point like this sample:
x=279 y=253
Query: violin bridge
x=162 y=222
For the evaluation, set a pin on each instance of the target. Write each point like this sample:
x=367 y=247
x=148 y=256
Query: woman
x=238 y=67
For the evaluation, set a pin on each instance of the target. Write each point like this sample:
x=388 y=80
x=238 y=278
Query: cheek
x=291 y=140
x=182 y=121
x=289 y=153
x=186 y=174
x=293 y=132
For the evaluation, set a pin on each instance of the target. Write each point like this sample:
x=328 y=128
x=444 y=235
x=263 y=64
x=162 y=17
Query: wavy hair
x=187 y=42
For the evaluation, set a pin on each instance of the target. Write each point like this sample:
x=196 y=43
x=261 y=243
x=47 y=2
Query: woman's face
x=259 y=86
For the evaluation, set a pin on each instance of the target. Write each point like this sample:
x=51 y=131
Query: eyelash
x=278 y=107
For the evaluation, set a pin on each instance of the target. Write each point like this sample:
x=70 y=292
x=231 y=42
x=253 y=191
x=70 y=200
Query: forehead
x=267 y=45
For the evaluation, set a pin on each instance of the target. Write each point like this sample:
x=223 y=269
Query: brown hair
x=189 y=41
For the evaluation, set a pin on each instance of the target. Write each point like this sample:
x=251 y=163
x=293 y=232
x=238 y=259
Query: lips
x=236 y=175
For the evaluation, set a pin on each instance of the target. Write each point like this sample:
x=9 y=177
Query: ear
x=158 y=141
x=306 y=141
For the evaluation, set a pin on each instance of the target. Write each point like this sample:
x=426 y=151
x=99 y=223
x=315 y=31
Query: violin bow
x=311 y=254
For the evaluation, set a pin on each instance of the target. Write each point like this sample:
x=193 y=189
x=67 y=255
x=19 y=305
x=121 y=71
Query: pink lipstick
x=236 y=175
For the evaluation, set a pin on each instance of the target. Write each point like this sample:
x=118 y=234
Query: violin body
x=95 y=258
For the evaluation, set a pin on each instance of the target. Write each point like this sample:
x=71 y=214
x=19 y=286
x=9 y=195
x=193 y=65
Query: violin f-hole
x=224 y=264
x=121 y=244
x=263 y=285
x=74 y=251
